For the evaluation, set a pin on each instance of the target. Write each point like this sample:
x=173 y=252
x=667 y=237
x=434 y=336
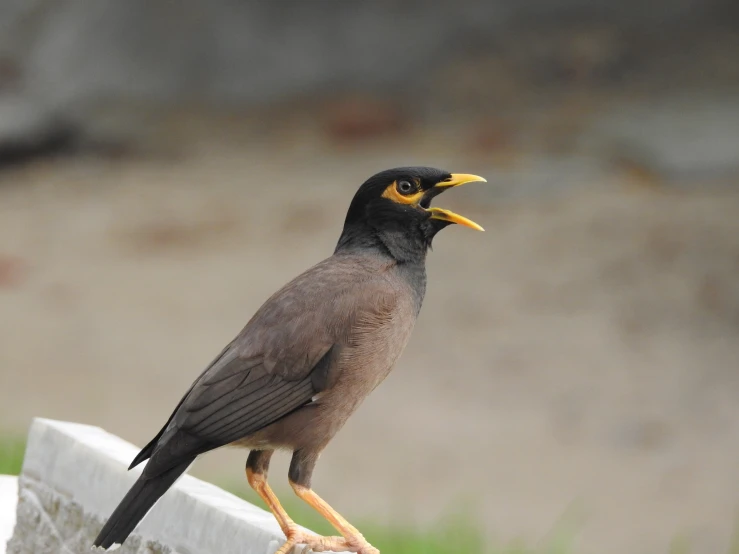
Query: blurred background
x=165 y=166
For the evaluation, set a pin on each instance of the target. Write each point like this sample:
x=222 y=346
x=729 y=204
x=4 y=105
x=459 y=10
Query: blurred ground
x=595 y=330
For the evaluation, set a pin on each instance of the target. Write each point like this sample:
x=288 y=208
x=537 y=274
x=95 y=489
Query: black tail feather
x=135 y=505
x=146 y=451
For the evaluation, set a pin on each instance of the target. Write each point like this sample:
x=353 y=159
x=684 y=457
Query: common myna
x=308 y=357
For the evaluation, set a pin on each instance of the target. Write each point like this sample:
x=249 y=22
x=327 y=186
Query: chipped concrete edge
x=73 y=477
x=8 y=502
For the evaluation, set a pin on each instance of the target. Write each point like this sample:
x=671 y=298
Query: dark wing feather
x=234 y=398
x=279 y=361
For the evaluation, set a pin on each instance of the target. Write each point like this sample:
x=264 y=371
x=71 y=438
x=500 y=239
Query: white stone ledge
x=74 y=476
x=8 y=503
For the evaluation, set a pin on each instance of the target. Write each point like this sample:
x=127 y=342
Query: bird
x=307 y=358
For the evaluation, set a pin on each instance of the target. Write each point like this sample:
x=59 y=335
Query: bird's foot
x=357 y=543
x=317 y=543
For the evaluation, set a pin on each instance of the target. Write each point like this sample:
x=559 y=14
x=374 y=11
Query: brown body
x=308 y=357
x=373 y=320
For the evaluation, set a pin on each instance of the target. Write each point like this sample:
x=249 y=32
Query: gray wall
x=62 y=60
x=229 y=51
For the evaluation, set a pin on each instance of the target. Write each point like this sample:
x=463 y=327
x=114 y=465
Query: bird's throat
x=403 y=245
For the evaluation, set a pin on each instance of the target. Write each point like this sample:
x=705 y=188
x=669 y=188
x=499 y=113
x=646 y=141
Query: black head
x=392 y=210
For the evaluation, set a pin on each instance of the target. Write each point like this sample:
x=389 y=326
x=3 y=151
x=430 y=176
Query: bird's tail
x=135 y=505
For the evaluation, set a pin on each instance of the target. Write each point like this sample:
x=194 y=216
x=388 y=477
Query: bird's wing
x=281 y=359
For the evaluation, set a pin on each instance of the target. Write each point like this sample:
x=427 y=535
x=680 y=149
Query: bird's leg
x=353 y=541
x=257 y=466
x=301 y=469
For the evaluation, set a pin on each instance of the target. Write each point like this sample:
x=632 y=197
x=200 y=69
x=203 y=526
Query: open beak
x=455 y=180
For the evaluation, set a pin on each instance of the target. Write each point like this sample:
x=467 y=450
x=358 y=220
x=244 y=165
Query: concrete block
x=73 y=477
x=8 y=503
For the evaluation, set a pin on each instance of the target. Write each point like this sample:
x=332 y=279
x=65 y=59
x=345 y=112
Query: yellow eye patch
x=392 y=193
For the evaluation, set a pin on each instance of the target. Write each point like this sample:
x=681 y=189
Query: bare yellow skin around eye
x=392 y=193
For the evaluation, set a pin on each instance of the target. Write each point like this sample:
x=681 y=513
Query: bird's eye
x=404 y=187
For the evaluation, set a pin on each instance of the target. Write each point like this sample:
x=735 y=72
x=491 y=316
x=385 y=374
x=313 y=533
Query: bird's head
x=394 y=208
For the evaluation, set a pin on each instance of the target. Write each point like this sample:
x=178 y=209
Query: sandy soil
x=577 y=363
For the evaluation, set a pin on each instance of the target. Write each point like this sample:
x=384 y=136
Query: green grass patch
x=11 y=455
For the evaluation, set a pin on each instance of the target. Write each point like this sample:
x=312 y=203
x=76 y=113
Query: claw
x=316 y=543
x=357 y=543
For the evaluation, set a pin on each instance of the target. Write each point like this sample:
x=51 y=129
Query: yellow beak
x=456 y=180
x=447 y=215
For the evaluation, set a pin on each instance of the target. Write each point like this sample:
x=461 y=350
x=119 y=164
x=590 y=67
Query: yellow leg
x=258 y=482
x=354 y=540
x=294 y=534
